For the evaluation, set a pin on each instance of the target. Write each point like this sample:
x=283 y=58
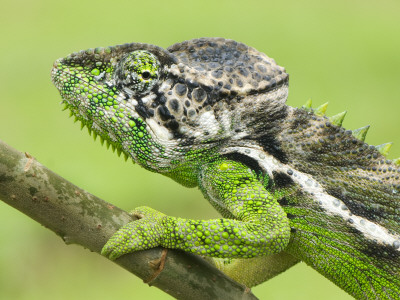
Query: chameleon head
x=105 y=88
x=152 y=103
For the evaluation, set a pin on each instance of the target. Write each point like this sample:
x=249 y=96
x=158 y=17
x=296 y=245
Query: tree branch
x=79 y=217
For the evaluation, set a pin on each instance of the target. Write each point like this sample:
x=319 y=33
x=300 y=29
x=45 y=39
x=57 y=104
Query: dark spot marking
x=174 y=104
x=188 y=141
x=243 y=72
x=246 y=160
x=180 y=89
x=379 y=251
x=142 y=111
x=207 y=88
x=356 y=207
x=271 y=145
x=282 y=180
x=228 y=69
x=283 y=201
x=199 y=94
x=173 y=125
x=239 y=83
x=217 y=74
x=164 y=113
x=162 y=99
x=191 y=84
x=191 y=113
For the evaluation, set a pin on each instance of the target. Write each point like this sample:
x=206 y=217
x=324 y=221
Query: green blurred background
x=344 y=52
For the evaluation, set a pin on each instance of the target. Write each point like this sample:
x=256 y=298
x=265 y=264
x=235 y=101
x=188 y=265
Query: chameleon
x=291 y=184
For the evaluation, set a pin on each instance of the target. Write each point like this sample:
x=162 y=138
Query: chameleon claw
x=118 y=245
x=142 y=234
x=107 y=252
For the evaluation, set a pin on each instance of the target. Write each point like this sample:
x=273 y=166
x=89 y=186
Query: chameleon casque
x=291 y=184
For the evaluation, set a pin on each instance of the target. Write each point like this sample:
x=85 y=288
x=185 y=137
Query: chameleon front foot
x=141 y=234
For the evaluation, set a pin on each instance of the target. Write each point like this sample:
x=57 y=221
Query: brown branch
x=79 y=217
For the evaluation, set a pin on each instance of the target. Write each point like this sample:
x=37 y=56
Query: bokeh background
x=345 y=52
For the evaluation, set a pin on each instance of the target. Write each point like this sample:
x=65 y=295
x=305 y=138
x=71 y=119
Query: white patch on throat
x=159 y=132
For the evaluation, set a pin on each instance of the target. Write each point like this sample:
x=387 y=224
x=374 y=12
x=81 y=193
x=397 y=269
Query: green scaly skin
x=290 y=183
x=255 y=223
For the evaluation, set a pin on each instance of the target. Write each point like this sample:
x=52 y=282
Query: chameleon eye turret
x=138 y=72
x=290 y=183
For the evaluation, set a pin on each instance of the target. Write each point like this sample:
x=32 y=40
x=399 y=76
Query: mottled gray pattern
x=227 y=65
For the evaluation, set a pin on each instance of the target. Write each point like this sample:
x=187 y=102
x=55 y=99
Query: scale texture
x=290 y=183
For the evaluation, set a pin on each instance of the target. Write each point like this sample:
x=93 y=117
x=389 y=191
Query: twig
x=79 y=217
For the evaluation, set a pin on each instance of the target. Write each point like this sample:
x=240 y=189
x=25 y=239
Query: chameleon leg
x=256 y=225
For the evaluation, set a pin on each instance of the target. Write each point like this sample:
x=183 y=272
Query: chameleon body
x=290 y=183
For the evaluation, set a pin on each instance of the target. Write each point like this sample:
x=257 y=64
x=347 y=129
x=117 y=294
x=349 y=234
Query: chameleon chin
x=291 y=183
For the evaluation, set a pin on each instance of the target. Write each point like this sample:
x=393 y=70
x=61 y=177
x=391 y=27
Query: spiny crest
x=359 y=133
x=338 y=119
x=114 y=146
x=384 y=148
x=320 y=110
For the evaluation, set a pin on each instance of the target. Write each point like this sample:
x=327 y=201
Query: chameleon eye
x=146 y=75
x=139 y=71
